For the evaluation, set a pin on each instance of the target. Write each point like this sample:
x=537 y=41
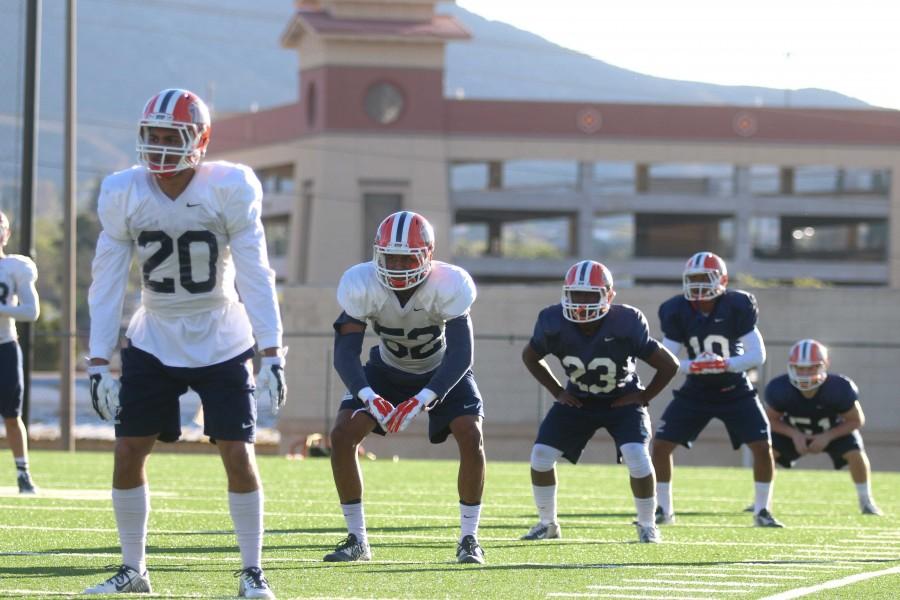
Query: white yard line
x=606 y=595
x=834 y=583
x=651 y=588
x=726 y=584
x=755 y=574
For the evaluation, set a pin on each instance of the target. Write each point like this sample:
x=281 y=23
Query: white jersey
x=411 y=337
x=18 y=298
x=187 y=250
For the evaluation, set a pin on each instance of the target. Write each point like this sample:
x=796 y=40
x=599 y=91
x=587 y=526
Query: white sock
x=469 y=516
x=356 y=520
x=864 y=492
x=545 y=500
x=247 y=515
x=132 y=508
x=763 y=498
x=664 y=496
x=646 y=509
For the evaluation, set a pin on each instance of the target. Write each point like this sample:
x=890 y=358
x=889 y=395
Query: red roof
x=442 y=27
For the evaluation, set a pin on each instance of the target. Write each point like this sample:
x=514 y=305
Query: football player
x=598 y=344
x=419 y=309
x=717 y=326
x=814 y=411
x=195 y=228
x=18 y=302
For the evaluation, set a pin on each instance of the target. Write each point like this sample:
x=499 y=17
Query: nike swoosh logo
x=718 y=320
x=470 y=405
x=246 y=425
x=189 y=205
x=608 y=339
x=417 y=309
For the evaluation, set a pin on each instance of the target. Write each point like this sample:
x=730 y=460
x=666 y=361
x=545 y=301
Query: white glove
x=377 y=406
x=104 y=392
x=270 y=383
x=406 y=411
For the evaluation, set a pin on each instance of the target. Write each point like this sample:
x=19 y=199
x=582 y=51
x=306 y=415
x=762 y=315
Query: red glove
x=405 y=413
x=708 y=364
x=377 y=406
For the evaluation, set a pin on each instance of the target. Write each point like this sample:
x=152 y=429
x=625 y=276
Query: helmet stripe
x=167 y=101
x=805 y=353
x=400 y=227
x=584 y=273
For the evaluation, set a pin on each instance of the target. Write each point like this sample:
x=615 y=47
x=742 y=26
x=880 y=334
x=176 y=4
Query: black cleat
x=765 y=519
x=468 y=551
x=26 y=486
x=350 y=549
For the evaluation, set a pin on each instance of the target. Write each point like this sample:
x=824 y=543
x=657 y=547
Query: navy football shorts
x=150 y=392
x=787 y=454
x=11 y=380
x=397 y=386
x=686 y=416
x=568 y=428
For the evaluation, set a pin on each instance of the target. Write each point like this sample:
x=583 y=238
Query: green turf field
x=56 y=544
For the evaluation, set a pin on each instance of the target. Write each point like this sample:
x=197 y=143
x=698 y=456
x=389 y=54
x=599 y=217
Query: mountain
x=228 y=51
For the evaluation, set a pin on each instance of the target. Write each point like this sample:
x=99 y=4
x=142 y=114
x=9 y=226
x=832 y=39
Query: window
x=468 y=176
x=820 y=238
x=678 y=235
x=695 y=179
x=614 y=177
x=469 y=239
x=612 y=236
x=277 y=180
x=478 y=234
x=540 y=173
x=277 y=236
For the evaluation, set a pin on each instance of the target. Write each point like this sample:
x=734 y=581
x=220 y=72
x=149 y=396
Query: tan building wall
x=860 y=327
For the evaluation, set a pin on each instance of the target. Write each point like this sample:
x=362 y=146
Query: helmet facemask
x=808 y=376
x=703 y=284
x=575 y=308
x=386 y=257
x=156 y=157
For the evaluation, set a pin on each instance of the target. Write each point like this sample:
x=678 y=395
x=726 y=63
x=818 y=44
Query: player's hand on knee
x=818 y=442
x=270 y=384
x=378 y=407
x=407 y=410
x=708 y=363
x=568 y=399
x=104 y=392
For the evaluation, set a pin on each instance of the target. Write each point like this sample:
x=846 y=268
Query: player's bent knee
x=543 y=457
x=637 y=459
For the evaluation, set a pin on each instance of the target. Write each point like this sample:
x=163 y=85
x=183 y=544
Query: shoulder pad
x=359 y=292
x=453 y=289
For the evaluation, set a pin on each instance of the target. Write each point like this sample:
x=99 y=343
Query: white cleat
x=125 y=581
x=543 y=531
x=869 y=508
x=253 y=584
x=648 y=534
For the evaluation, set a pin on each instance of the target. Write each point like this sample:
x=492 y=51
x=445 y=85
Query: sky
x=848 y=47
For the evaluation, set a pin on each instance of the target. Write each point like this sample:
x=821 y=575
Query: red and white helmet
x=807 y=355
x=184 y=112
x=715 y=281
x=587 y=276
x=403 y=233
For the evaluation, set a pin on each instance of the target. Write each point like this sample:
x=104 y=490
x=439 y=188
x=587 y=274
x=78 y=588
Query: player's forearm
x=25 y=313
x=347 y=348
x=843 y=429
x=754 y=353
x=539 y=370
x=783 y=428
x=106 y=295
x=256 y=284
x=458 y=357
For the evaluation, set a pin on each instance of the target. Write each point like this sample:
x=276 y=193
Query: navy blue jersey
x=819 y=413
x=734 y=315
x=601 y=365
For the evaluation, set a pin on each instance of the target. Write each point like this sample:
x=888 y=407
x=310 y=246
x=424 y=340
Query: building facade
x=518 y=190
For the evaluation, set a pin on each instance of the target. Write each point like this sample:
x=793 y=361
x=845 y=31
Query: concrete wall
x=859 y=326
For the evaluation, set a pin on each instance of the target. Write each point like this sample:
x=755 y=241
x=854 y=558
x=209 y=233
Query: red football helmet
x=808 y=364
x=184 y=112
x=404 y=243
x=705 y=277
x=592 y=277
